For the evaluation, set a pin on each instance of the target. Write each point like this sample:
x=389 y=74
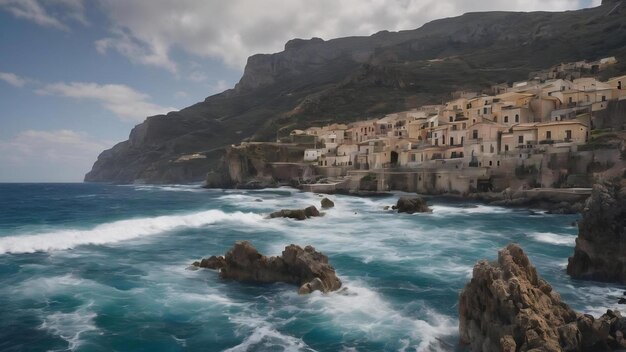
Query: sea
x=93 y=267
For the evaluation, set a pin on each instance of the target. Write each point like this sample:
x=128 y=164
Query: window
x=473 y=120
x=495 y=119
x=619 y=85
x=548 y=134
x=571 y=100
x=498 y=163
x=604 y=98
x=506 y=119
x=490 y=163
x=451 y=118
x=568 y=134
x=520 y=140
x=451 y=140
x=516 y=118
x=482 y=148
x=484 y=110
x=475 y=134
x=506 y=147
x=491 y=150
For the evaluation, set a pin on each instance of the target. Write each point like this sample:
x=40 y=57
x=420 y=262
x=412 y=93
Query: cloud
x=148 y=31
x=59 y=155
x=48 y=13
x=125 y=102
x=13 y=79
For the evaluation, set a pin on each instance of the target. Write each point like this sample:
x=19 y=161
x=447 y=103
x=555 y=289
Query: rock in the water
x=508 y=307
x=311 y=211
x=212 y=262
x=298 y=214
x=307 y=268
x=600 y=252
x=327 y=203
x=412 y=205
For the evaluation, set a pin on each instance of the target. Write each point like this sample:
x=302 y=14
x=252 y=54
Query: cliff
x=600 y=252
x=507 y=307
x=314 y=81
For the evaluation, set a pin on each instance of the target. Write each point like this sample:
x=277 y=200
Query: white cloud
x=147 y=31
x=125 y=102
x=48 y=13
x=60 y=155
x=13 y=79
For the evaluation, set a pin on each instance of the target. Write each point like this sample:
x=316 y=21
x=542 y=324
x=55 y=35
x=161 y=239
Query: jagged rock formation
x=412 y=205
x=298 y=214
x=327 y=203
x=307 y=268
x=600 y=252
x=508 y=307
x=315 y=81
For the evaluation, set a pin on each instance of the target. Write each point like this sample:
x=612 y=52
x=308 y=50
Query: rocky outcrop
x=412 y=205
x=298 y=214
x=507 y=307
x=600 y=252
x=327 y=203
x=305 y=267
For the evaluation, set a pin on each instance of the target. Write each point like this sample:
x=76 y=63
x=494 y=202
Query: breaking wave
x=117 y=231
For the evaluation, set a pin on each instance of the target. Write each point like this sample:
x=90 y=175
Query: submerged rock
x=600 y=252
x=298 y=214
x=507 y=307
x=412 y=205
x=327 y=203
x=307 y=268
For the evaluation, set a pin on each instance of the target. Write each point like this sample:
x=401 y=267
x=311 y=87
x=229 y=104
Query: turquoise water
x=88 y=267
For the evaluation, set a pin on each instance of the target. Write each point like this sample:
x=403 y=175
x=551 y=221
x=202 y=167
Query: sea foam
x=117 y=231
x=553 y=238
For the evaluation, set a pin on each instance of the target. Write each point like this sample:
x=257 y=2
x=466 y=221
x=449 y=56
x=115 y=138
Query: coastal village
x=475 y=141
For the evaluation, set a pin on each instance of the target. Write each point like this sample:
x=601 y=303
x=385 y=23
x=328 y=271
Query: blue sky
x=77 y=75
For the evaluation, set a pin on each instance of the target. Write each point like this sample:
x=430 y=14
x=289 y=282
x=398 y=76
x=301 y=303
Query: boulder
x=304 y=267
x=327 y=203
x=298 y=214
x=600 y=252
x=412 y=205
x=507 y=307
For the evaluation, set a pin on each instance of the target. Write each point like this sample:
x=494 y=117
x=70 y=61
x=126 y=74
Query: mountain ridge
x=344 y=79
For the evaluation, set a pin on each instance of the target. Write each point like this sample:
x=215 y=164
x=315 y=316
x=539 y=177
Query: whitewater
x=87 y=267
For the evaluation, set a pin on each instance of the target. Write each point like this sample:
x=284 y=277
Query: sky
x=77 y=75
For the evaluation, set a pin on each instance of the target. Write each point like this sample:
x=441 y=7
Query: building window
x=604 y=98
x=491 y=150
x=506 y=147
x=571 y=100
x=482 y=148
x=498 y=163
x=451 y=118
x=619 y=85
x=516 y=118
x=506 y=119
x=490 y=163
x=548 y=134
x=473 y=120
x=475 y=134
x=520 y=140
x=485 y=111
x=568 y=134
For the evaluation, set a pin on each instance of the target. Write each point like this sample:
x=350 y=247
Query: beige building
x=562 y=131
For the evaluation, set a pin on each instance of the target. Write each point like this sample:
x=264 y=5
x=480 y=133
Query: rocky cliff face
x=315 y=81
x=600 y=252
x=508 y=307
